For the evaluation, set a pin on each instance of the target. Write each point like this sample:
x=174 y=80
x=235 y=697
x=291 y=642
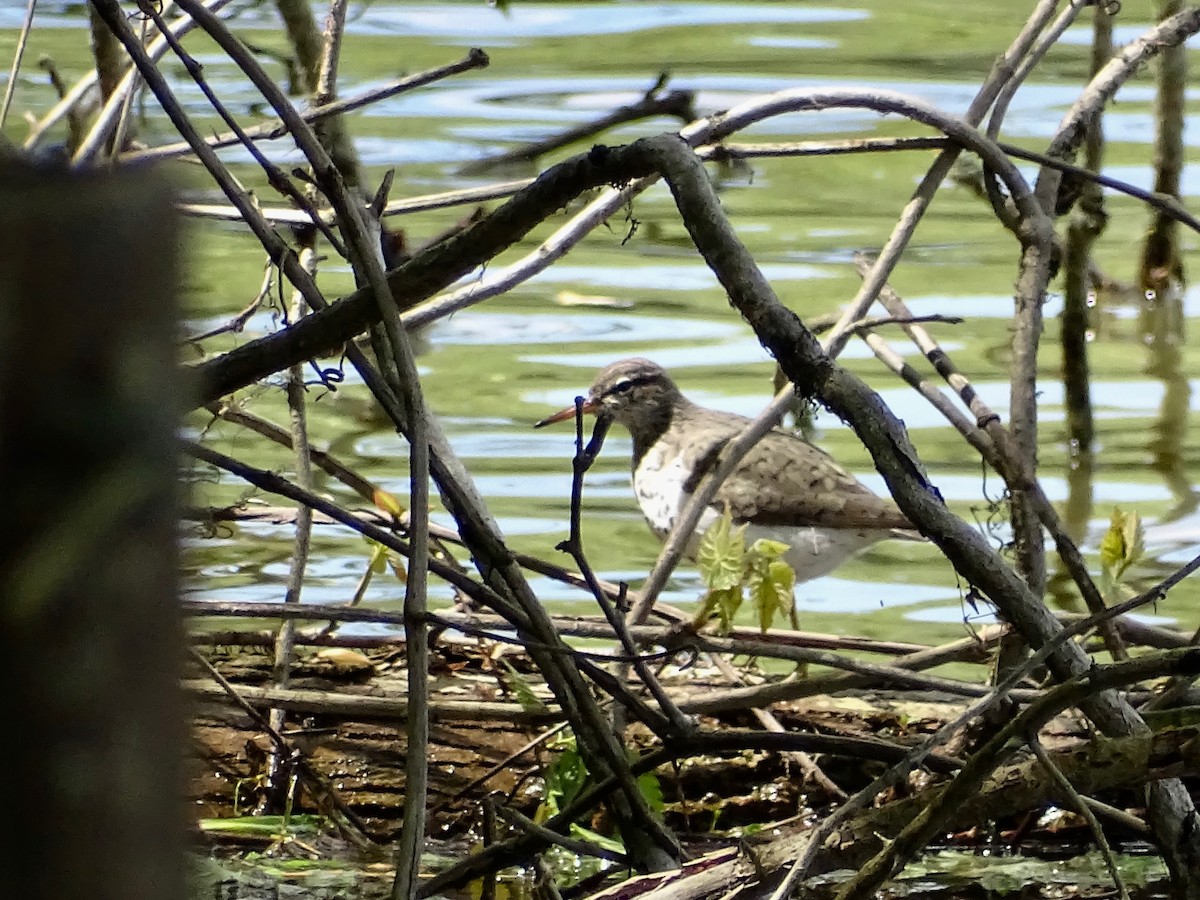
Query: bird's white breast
x=658 y=483
x=813 y=551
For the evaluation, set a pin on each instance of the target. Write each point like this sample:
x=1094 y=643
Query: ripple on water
x=972 y=306
x=840 y=595
x=1036 y=110
x=794 y=43
x=372 y=150
x=687 y=277
x=1081 y=35
x=523 y=443
x=476 y=327
x=984 y=614
x=1112 y=401
x=1120 y=126
x=464 y=24
x=744 y=352
x=1182 y=532
x=1143 y=176
x=549 y=486
x=971 y=488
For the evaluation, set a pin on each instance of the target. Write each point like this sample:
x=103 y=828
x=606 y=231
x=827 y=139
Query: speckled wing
x=784 y=480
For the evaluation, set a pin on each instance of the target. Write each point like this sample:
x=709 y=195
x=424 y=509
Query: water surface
x=492 y=371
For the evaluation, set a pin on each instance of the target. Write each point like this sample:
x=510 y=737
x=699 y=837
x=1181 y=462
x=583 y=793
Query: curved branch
x=1073 y=128
x=806 y=364
x=442 y=265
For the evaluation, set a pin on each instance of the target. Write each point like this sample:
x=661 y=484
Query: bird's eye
x=621 y=386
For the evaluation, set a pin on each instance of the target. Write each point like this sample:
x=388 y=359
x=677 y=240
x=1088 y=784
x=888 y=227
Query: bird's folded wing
x=786 y=481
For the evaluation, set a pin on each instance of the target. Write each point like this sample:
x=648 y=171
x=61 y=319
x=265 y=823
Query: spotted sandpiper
x=784 y=488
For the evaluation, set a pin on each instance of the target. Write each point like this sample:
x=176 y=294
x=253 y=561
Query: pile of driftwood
x=869 y=788
x=841 y=766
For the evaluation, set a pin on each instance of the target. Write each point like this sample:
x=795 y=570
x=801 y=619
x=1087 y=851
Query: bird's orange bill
x=563 y=414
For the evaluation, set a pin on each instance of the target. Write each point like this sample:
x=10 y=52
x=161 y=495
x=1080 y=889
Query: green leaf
x=263 y=825
x=379 y=554
x=388 y=503
x=519 y=685
x=767 y=549
x=1135 y=540
x=564 y=779
x=725 y=602
x=381 y=559
x=1122 y=545
x=651 y=789
x=613 y=845
x=722 y=554
x=771 y=587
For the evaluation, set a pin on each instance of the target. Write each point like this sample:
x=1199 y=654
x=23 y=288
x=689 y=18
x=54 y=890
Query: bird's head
x=628 y=391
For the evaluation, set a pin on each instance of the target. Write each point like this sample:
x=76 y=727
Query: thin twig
x=1169 y=206
x=238 y=322
x=375 y=706
x=1002 y=455
x=352 y=826
x=889 y=255
x=655 y=102
x=298 y=420
x=1081 y=807
x=279 y=252
x=582 y=848
x=1063 y=696
x=803 y=360
x=22 y=42
x=859 y=801
x=740 y=641
x=1045 y=41
x=121 y=128
x=275 y=176
x=573 y=545
x=75 y=120
x=367 y=265
x=768 y=721
x=1087 y=223
x=96 y=138
x=270 y=481
x=475 y=59
x=1072 y=129
x=503 y=765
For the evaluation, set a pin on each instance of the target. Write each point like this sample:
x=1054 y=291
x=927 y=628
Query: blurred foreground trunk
x=89 y=627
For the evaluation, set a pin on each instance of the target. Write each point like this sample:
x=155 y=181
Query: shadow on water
x=1164 y=333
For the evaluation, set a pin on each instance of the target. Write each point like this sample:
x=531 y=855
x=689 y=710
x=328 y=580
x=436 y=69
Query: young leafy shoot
x=568 y=775
x=1121 y=547
x=729 y=569
x=388 y=503
x=771 y=582
x=381 y=557
x=722 y=554
x=565 y=778
x=721 y=557
x=522 y=689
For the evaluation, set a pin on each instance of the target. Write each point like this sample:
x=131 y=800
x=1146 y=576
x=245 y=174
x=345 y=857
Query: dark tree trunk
x=89 y=626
